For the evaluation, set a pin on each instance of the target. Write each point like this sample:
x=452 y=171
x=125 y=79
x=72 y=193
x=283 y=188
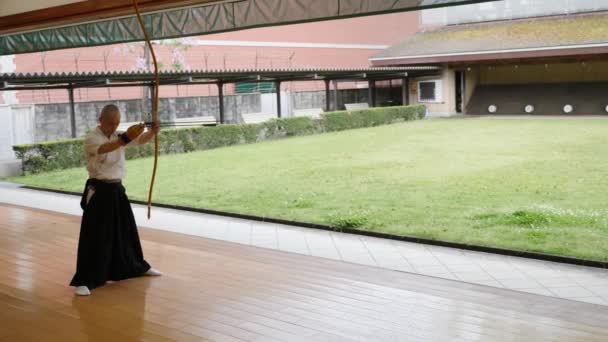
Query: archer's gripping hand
x=132 y=133
x=155 y=127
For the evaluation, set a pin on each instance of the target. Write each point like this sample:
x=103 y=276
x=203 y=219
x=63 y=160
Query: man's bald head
x=109 y=119
x=109 y=111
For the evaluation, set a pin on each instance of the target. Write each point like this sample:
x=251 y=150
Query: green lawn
x=527 y=184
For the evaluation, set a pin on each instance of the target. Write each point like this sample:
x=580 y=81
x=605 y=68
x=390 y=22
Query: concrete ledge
x=253 y=118
x=314 y=113
x=10 y=167
x=462 y=246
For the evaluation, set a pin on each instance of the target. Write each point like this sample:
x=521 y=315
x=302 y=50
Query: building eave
x=474 y=56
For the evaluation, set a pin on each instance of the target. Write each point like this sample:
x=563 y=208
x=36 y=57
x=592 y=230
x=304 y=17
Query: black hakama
x=109 y=246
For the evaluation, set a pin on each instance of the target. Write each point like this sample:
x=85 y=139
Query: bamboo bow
x=155 y=109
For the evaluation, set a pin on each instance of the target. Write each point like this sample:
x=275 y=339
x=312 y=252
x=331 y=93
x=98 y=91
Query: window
x=429 y=91
x=255 y=87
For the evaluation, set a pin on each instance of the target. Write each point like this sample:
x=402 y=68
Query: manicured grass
x=527 y=184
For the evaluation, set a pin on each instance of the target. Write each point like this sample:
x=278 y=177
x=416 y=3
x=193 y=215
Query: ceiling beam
x=88 y=10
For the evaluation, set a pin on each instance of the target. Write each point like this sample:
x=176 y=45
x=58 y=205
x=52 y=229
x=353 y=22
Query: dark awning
x=219 y=16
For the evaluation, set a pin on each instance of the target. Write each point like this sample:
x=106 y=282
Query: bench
x=195 y=121
x=355 y=106
x=252 y=118
x=208 y=120
x=314 y=113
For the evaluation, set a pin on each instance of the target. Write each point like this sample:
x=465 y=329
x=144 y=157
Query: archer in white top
x=108 y=245
x=104 y=149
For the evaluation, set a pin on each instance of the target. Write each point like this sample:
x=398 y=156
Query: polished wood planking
x=215 y=290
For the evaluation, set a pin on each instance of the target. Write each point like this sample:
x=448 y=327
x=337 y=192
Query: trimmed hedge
x=55 y=155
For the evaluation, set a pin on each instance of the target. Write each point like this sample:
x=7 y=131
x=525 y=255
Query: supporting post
x=327 y=97
x=152 y=104
x=220 y=91
x=277 y=85
x=405 y=91
x=72 y=110
x=372 y=93
x=335 y=82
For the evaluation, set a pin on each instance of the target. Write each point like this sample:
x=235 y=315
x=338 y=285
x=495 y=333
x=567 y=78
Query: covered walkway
x=330 y=76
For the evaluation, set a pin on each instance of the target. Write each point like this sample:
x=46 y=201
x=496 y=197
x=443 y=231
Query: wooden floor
x=219 y=291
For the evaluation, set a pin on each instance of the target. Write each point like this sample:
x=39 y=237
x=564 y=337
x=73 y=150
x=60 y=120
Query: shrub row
x=48 y=156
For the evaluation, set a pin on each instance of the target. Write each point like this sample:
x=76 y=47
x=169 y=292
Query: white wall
x=269 y=103
x=7 y=66
x=18 y=128
x=447 y=104
x=6 y=135
x=506 y=10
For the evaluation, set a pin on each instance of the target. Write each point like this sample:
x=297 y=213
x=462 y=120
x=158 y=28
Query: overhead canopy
x=121 y=79
x=209 y=17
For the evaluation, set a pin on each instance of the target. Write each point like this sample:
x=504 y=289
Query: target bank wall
x=504 y=57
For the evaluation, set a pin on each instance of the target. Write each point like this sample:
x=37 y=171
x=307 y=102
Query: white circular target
x=568 y=108
x=492 y=108
x=529 y=108
x=606 y=108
